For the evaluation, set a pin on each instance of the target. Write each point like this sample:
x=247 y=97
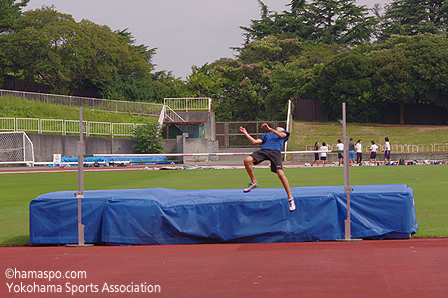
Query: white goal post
x=16 y=148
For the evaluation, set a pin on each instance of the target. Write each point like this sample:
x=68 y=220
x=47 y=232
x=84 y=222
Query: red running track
x=389 y=268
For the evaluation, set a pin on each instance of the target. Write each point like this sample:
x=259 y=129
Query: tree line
x=331 y=51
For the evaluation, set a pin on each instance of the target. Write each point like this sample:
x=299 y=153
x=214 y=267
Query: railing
x=165 y=111
x=189 y=104
x=171 y=115
x=106 y=105
x=440 y=147
x=399 y=148
x=59 y=126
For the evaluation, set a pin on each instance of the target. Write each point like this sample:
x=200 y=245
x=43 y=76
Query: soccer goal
x=16 y=148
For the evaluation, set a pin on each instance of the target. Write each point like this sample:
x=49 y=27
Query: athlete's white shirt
x=358 y=147
x=373 y=147
x=340 y=146
x=387 y=146
x=324 y=149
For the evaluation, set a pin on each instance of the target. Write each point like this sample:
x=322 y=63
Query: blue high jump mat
x=168 y=216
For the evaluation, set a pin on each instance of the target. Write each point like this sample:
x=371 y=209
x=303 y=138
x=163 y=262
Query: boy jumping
x=272 y=145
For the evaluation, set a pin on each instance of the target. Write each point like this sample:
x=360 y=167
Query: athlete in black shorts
x=272 y=145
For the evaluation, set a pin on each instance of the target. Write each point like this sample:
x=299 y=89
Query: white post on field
x=288 y=124
x=80 y=193
x=347 y=187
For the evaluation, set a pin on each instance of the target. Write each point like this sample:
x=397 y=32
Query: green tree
x=299 y=77
x=347 y=78
x=393 y=81
x=404 y=70
x=336 y=21
x=411 y=17
x=10 y=10
x=247 y=82
x=53 y=48
x=340 y=21
x=146 y=52
x=271 y=50
x=411 y=69
x=264 y=76
x=148 y=139
x=153 y=88
x=204 y=82
x=127 y=84
x=244 y=87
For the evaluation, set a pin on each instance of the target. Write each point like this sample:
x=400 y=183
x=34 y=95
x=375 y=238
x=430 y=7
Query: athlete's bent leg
x=249 y=163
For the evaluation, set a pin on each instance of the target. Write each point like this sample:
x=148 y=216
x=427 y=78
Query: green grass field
x=428 y=182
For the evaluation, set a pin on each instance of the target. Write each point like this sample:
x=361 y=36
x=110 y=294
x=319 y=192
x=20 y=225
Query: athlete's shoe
x=292 y=205
x=251 y=186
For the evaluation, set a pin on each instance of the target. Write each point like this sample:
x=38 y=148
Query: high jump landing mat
x=168 y=216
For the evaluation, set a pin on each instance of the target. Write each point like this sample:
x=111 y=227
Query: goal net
x=16 y=148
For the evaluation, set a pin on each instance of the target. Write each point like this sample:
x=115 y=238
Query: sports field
x=428 y=182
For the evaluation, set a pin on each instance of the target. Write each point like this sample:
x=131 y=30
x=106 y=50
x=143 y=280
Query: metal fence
x=398 y=148
x=228 y=133
x=106 y=105
x=189 y=104
x=59 y=126
x=162 y=111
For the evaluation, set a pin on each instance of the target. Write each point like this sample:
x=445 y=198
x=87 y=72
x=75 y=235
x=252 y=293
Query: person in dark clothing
x=316 y=155
x=351 y=151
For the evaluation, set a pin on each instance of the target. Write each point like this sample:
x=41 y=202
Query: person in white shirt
x=340 y=147
x=323 y=154
x=358 y=149
x=373 y=149
x=386 y=150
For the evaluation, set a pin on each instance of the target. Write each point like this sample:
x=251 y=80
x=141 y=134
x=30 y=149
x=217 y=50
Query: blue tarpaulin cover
x=168 y=216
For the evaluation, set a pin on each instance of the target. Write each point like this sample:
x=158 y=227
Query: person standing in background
x=386 y=151
x=323 y=154
x=373 y=148
x=340 y=147
x=351 y=151
x=358 y=147
x=316 y=155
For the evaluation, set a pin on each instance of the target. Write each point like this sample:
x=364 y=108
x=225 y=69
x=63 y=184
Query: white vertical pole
x=32 y=150
x=162 y=115
x=288 y=124
x=347 y=187
x=80 y=193
x=24 y=147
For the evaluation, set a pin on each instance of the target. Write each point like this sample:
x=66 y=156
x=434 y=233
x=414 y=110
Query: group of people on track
x=354 y=153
